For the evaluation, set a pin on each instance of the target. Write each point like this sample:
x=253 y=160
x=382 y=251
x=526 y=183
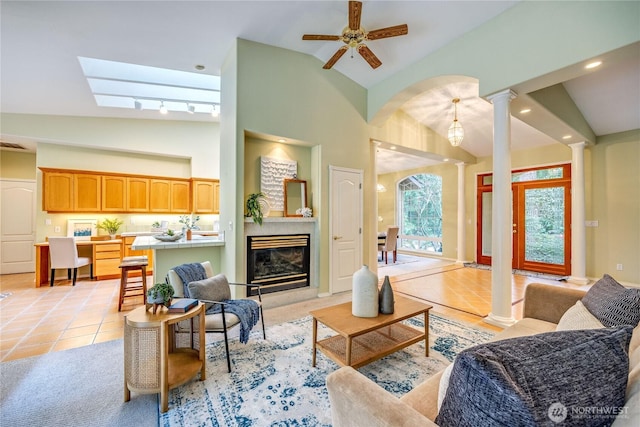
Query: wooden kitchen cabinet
x=204 y=195
x=114 y=193
x=180 y=197
x=57 y=191
x=137 y=194
x=169 y=196
x=107 y=260
x=87 y=192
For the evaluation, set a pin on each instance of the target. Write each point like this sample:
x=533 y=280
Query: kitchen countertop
x=197 y=241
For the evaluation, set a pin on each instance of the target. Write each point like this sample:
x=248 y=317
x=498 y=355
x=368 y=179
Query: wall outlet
x=47 y=221
x=619 y=267
x=56 y=229
x=591 y=223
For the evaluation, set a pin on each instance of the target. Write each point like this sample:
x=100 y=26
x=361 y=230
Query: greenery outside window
x=420 y=209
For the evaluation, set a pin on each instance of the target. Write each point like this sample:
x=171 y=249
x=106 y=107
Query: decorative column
x=578 y=228
x=502 y=215
x=461 y=210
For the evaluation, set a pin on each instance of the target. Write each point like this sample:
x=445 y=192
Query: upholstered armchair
x=215 y=290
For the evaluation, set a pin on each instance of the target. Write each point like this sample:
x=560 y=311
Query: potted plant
x=111 y=226
x=160 y=294
x=189 y=223
x=254 y=209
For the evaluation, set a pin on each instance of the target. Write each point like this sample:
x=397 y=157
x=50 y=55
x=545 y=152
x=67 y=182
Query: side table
x=162 y=351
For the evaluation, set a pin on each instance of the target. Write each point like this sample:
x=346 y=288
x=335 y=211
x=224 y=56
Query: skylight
x=122 y=85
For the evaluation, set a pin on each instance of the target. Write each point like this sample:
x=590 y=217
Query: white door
x=17 y=226
x=345 y=195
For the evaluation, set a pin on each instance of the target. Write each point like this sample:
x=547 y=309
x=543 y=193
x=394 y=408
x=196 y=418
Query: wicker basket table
x=162 y=351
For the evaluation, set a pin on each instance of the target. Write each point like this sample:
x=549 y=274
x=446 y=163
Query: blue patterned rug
x=272 y=382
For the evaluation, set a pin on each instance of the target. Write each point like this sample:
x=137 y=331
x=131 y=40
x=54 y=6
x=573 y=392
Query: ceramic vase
x=386 y=301
x=365 y=293
x=189 y=234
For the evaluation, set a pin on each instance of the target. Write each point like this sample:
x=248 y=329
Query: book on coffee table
x=183 y=305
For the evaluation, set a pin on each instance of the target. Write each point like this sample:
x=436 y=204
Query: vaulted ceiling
x=42 y=41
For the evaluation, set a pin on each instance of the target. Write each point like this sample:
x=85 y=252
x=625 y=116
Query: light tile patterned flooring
x=35 y=321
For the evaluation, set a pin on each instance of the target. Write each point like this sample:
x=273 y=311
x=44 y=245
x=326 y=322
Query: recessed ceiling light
x=393 y=147
x=282 y=140
x=525 y=111
x=445 y=159
x=199 y=67
x=567 y=137
x=593 y=64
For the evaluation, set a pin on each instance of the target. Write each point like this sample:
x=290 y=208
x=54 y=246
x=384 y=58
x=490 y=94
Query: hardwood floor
x=35 y=321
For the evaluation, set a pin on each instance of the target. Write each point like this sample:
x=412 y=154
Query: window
x=420 y=208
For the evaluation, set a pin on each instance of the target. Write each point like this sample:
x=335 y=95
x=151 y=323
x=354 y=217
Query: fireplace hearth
x=278 y=262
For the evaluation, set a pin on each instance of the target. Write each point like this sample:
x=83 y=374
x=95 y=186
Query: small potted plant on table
x=159 y=294
x=111 y=226
x=189 y=223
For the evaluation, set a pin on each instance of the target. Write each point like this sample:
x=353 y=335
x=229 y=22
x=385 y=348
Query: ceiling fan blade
x=383 y=33
x=368 y=56
x=355 y=13
x=319 y=37
x=335 y=57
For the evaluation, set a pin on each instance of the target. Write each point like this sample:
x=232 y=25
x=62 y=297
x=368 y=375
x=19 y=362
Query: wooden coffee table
x=362 y=340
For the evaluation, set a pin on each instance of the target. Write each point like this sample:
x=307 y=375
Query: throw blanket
x=247 y=310
x=190 y=273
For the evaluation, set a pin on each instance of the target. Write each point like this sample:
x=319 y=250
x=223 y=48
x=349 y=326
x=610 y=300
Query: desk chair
x=217 y=322
x=64 y=254
x=390 y=244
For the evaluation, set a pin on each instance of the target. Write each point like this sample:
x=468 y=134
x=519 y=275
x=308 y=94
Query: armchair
x=217 y=290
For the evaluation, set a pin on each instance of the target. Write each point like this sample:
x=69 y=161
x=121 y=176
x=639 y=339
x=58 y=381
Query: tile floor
x=35 y=321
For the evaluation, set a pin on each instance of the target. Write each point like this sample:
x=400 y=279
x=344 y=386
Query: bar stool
x=127 y=289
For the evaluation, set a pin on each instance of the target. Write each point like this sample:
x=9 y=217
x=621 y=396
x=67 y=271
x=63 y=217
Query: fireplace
x=278 y=262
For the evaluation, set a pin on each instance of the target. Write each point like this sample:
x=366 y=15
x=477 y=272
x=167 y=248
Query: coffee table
x=361 y=340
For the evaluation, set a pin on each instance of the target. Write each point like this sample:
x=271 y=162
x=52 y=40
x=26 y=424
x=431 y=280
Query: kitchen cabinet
x=107 y=260
x=169 y=196
x=180 y=197
x=87 y=192
x=114 y=193
x=57 y=191
x=103 y=192
x=204 y=195
x=137 y=194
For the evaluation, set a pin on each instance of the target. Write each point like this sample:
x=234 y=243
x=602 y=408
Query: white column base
x=578 y=280
x=503 y=322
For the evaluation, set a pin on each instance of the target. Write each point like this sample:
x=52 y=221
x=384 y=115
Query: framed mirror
x=295 y=196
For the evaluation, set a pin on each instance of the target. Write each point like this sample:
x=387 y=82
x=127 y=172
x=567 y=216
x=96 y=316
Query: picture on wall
x=82 y=229
x=272 y=174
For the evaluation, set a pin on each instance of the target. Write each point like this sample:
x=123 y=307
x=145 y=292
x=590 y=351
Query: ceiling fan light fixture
x=456 y=132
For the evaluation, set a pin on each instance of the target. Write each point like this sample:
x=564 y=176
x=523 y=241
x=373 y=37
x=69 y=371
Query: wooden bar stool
x=127 y=289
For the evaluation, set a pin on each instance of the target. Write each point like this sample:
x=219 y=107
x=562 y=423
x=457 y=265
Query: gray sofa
x=358 y=401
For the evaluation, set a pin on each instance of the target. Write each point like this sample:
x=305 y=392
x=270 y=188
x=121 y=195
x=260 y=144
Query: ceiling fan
x=354 y=36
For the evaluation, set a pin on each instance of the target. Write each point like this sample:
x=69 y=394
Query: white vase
x=365 y=293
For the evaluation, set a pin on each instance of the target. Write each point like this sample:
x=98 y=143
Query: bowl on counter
x=168 y=238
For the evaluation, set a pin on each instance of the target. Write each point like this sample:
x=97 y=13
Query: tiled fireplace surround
x=288 y=225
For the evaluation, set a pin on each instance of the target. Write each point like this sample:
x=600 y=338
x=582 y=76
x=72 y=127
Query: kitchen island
x=167 y=255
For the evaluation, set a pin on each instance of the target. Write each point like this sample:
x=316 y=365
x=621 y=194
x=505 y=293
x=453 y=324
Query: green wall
x=288 y=94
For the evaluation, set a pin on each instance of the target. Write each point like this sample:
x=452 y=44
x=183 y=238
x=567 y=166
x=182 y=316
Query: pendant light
x=456 y=133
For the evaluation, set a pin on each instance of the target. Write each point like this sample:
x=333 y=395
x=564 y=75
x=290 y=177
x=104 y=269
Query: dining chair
x=64 y=254
x=390 y=244
x=215 y=290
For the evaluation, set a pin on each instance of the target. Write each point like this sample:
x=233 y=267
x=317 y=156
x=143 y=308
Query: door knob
x=337 y=237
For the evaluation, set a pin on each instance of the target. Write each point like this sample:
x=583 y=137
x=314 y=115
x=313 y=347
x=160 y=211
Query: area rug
x=80 y=387
x=400 y=259
x=272 y=382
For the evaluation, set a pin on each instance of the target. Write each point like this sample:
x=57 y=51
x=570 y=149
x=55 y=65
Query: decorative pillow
x=578 y=317
x=532 y=380
x=215 y=288
x=613 y=304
